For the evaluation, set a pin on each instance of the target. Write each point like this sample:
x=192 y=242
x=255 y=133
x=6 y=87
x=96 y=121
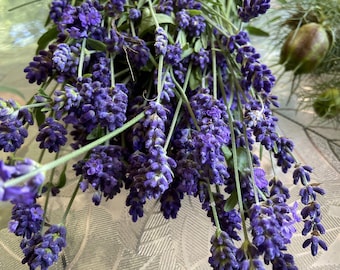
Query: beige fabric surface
x=104 y=237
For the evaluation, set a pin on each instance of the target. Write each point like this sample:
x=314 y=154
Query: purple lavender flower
x=283 y=153
x=254 y=73
x=277 y=187
x=266 y=231
x=248 y=257
x=253 y=8
x=137 y=196
x=161 y=41
x=79 y=21
x=208 y=153
x=201 y=58
x=230 y=221
x=188 y=4
x=136 y=200
x=61 y=57
x=12 y=135
x=260 y=178
x=112 y=113
x=309 y=192
x=51 y=135
x=115 y=42
x=222 y=252
x=285 y=261
x=182 y=19
x=43 y=250
x=171 y=202
x=138 y=52
x=104 y=170
x=240 y=137
x=134 y=14
x=214 y=132
x=314 y=243
x=302 y=173
x=115 y=7
x=196 y=26
x=100 y=108
x=156 y=175
x=25 y=193
x=101 y=71
x=89 y=15
x=180 y=69
x=165 y=6
x=173 y=54
x=65 y=99
x=168 y=86
x=187 y=174
x=56 y=9
x=40 y=68
x=8 y=109
x=26 y=219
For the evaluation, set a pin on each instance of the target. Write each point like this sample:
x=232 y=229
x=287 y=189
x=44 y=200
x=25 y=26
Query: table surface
x=104 y=237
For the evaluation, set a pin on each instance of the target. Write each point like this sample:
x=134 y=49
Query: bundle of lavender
x=165 y=99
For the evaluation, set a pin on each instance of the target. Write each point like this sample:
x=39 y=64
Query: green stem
x=112 y=69
x=122 y=72
x=213 y=208
x=81 y=58
x=214 y=69
x=74 y=154
x=185 y=98
x=41 y=155
x=46 y=204
x=173 y=124
x=153 y=14
x=250 y=160
x=237 y=176
x=34 y=105
x=75 y=191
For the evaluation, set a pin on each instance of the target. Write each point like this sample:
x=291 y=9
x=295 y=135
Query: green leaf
x=62 y=178
x=95 y=134
x=182 y=38
x=194 y=12
x=96 y=44
x=226 y=152
x=39 y=116
x=186 y=51
x=122 y=19
x=148 y=22
x=231 y=201
x=195 y=79
x=242 y=160
x=204 y=41
x=257 y=31
x=11 y=90
x=198 y=45
x=46 y=38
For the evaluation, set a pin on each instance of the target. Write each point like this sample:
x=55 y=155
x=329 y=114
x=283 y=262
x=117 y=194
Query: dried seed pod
x=305 y=48
x=327 y=104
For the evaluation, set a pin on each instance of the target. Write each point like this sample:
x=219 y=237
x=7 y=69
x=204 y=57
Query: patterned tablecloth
x=104 y=237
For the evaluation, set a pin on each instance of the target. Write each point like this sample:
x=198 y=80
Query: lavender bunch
x=166 y=99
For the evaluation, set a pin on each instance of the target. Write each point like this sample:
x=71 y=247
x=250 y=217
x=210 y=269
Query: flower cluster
x=162 y=99
x=43 y=250
x=16 y=192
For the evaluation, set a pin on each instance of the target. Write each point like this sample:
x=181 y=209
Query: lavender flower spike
x=26 y=219
x=43 y=250
x=25 y=193
x=253 y=8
